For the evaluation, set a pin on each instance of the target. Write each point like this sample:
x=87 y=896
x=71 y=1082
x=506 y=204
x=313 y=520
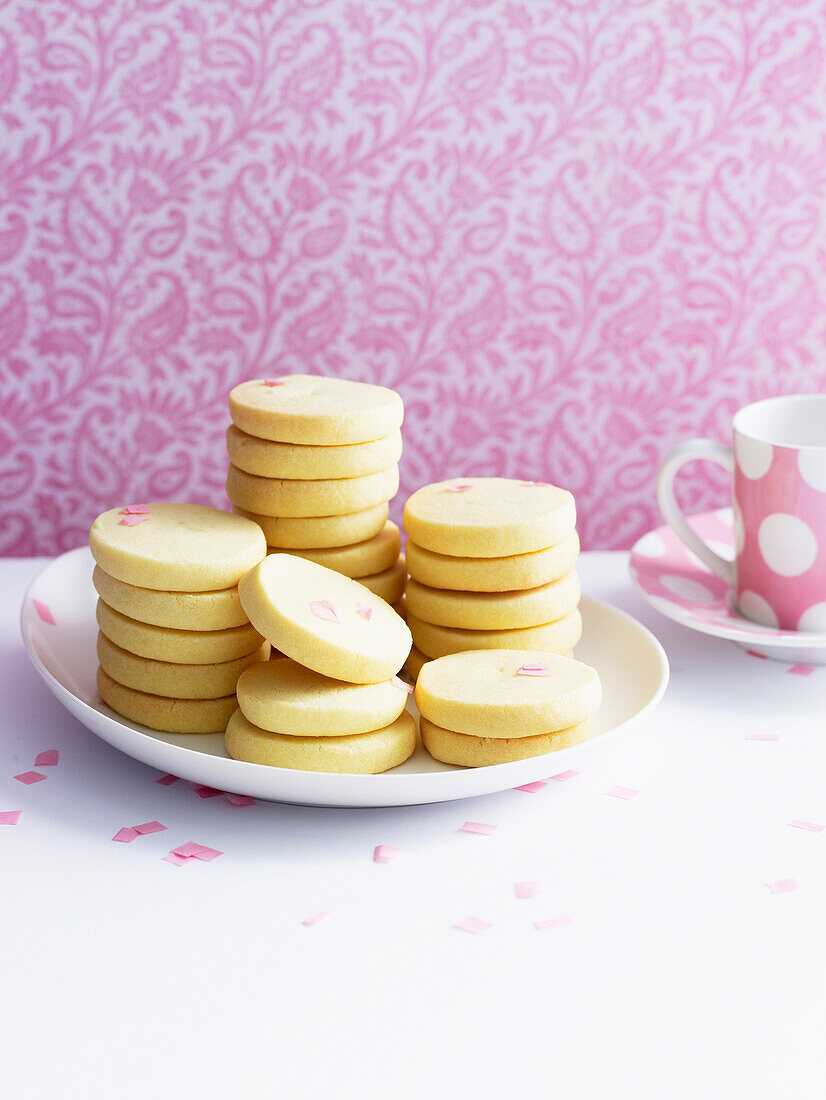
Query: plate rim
x=497 y=774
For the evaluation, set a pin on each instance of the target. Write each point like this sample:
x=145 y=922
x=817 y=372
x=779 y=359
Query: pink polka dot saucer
x=676 y=583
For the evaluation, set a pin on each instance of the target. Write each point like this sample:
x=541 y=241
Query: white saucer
x=677 y=583
x=630 y=661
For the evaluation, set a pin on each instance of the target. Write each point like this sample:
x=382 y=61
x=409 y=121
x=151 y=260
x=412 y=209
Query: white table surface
x=679 y=974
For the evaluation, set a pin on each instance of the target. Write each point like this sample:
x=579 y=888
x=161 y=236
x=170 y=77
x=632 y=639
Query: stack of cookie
x=491 y=566
x=493 y=706
x=314 y=462
x=174 y=637
x=333 y=704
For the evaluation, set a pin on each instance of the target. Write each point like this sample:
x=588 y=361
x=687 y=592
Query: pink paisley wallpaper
x=570 y=232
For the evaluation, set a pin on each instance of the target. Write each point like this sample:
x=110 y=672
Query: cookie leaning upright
x=324 y=620
x=314 y=461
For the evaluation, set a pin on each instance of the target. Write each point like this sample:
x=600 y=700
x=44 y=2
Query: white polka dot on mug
x=778 y=465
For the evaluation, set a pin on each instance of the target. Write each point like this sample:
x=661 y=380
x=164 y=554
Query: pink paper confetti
x=44 y=611
x=149 y=827
x=401 y=685
x=176 y=861
x=783 y=885
x=532 y=788
x=762 y=736
x=325 y=609
x=552 y=922
x=167 y=780
x=365 y=611
x=134 y=510
x=10 y=817
x=801 y=670
x=478 y=827
x=47 y=759
x=754 y=653
x=384 y=853
x=30 y=777
x=203 y=791
x=532 y=670
x=193 y=850
x=809 y=826
x=272 y=381
x=622 y=792
x=315 y=918
x=561 y=777
x=458 y=487
x=132 y=521
x=474 y=925
x=240 y=800
x=126 y=835
x=526 y=889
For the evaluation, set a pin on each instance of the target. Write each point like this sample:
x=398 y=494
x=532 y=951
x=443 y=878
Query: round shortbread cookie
x=176 y=681
x=415 y=662
x=356 y=753
x=267 y=458
x=183 y=610
x=479 y=752
x=493 y=610
x=389 y=584
x=272 y=496
x=284 y=697
x=167 y=715
x=508 y=574
x=489 y=517
x=361 y=559
x=437 y=641
x=176 y=547
x=324 y=620
x=310 y=532
x=312 y=410
x=184 y=647
x=507 y=693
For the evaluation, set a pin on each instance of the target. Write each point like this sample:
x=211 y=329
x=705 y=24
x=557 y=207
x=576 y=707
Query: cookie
x=186 y=647
x=310 y=532
x=176 y=547
x=507 y=693
x=437 y=641
x=324 y=620
x=166 y=715
x=493 y=610
x=284 y=697
x=389 y=584
x=508 y=574
x=480 y=752
x=356 y=753
x=360 y=559
x=272 y=496
x=415 y=662
x=176 y=681
x=266 y=458
x=185 y=610
x=315 y=411
x=489 y=517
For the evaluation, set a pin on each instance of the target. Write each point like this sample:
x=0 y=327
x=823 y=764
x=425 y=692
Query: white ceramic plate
x=631 y=663
x=680 y=586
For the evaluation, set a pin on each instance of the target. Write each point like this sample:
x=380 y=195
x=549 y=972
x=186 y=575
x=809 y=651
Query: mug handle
x=691 y=451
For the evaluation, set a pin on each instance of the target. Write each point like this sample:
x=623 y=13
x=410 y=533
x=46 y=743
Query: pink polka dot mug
x=778 y=464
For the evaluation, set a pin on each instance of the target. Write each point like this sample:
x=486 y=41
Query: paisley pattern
x=570 y=232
